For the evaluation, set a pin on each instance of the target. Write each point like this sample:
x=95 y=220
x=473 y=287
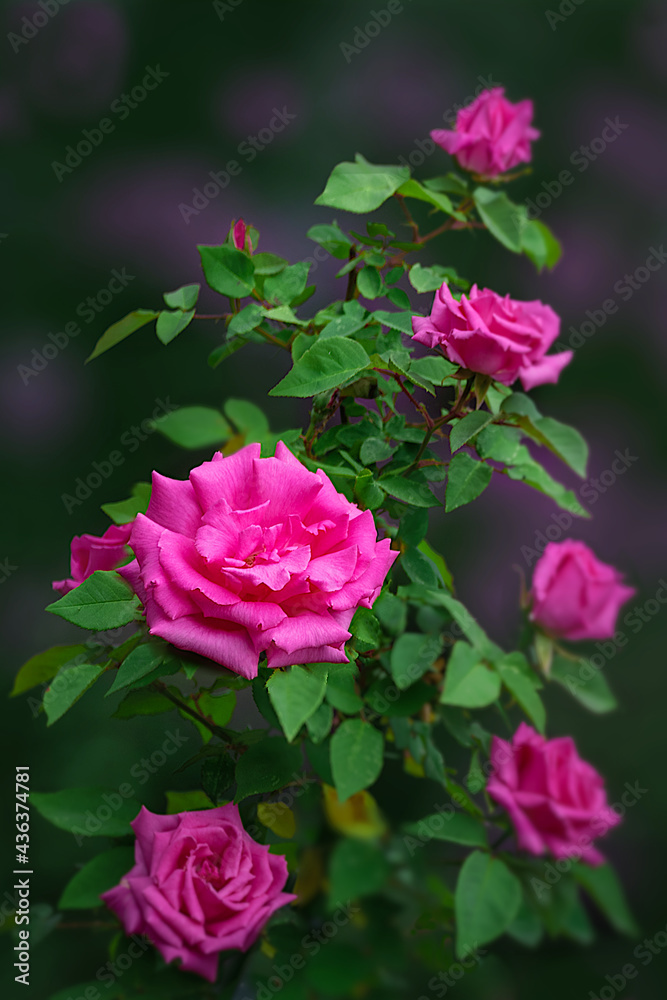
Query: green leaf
x=369 y=282
x=141 y=661
x=602 y=885
x=246 y=319
x=439 y=563
x=361 y=186
x=366 y=627
x=487 y=897
x=411 y=656
x=413 y=189
x=367 y=491
x=395 y=320
x=449 y=182
x=268 y=263
x=319 y=723
x=43 y=666
x=332 y=238
x=540 y=245
x=466 y=479
x=194 y=427
x=342 y=326
x=409 y=491
x=434 y=369
x=584 y=682
x=469 y=683
x=247 y=419
x=178 y=802
x=357 y=868
x=466 y=429
x=531 y=472
x=296 y=694
x=142 y=701
x=85 y=811
x=103 y=872
x=125 y=511
x=266 y=767
x=326 y=365
x=455 y=827
x=502 y=444
x=375 y=449
x=122 y=329
x=184 y=298
x=502 y=218
x=170 y=324
x=341 y=692
x=356 y=757
x=519 y=680
x=228 y=270
x=288 y=285
x=564 y=441
x=420 y=568
x=101 y=602
x=477 y=636
x=68 y=686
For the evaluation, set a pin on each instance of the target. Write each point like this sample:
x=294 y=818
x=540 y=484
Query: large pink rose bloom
x=574 y=595
x=253 y=555
x=90 y=553
x=494 y=335
x=556 y=801
x=200 y=885
x=492 y=135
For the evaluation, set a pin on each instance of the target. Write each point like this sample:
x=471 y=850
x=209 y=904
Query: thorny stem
x=416 y=238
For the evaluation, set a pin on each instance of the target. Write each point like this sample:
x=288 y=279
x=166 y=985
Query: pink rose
x=253 y=555
x=574 y=595
x=200 y=885
x=90 y=553
x=494 y=335
x=556 y=801
x=239 y=235
x=492 y=135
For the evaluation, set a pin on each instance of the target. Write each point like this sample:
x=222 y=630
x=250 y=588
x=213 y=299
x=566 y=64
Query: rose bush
x=253 y=555
x=494 y=335
x=492 y=135
x=90 y=553
x=574 y=595
x=556 y=801
x=200 y=885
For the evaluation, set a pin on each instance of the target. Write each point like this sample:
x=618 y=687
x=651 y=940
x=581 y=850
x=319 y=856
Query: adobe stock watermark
x=589 y=492
x=581 y=158
x=634 y=620
x=444 y=981
x=600 y=825
x=427 y=146
x=644 y=953
x=624 y=288
x=7 y=569
x=32 y=25
x=565 y=9
x=248 y=150
x=87 y=310
x=142 y=771
x=122 y=108
x=223 y=7
x=130 y=441
x=365 y=33
x=311 y=943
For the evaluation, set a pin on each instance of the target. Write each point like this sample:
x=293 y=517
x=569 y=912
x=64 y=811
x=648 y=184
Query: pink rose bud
x=200 y=885
x=239 y=235
x=574 y=595
x=90 y=553
x=556 y=801
x=494 y=335
x=253 y=555
x=492 y=135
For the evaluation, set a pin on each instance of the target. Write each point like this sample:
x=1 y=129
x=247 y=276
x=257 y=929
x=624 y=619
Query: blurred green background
x=227 y=67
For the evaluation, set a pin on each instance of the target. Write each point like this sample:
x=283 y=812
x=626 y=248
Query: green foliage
x=194 y=427
x=488 y=897
x=296 y=694
x=85 y=812
x=356 y=757
x=101 y=602
x=125 y=511
x=266 y=766
x=326 y=365
x=122 y=329
x=227 y=270
x=361 y=186
x=357 y=868
x=43 y=666
x=103 y=872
